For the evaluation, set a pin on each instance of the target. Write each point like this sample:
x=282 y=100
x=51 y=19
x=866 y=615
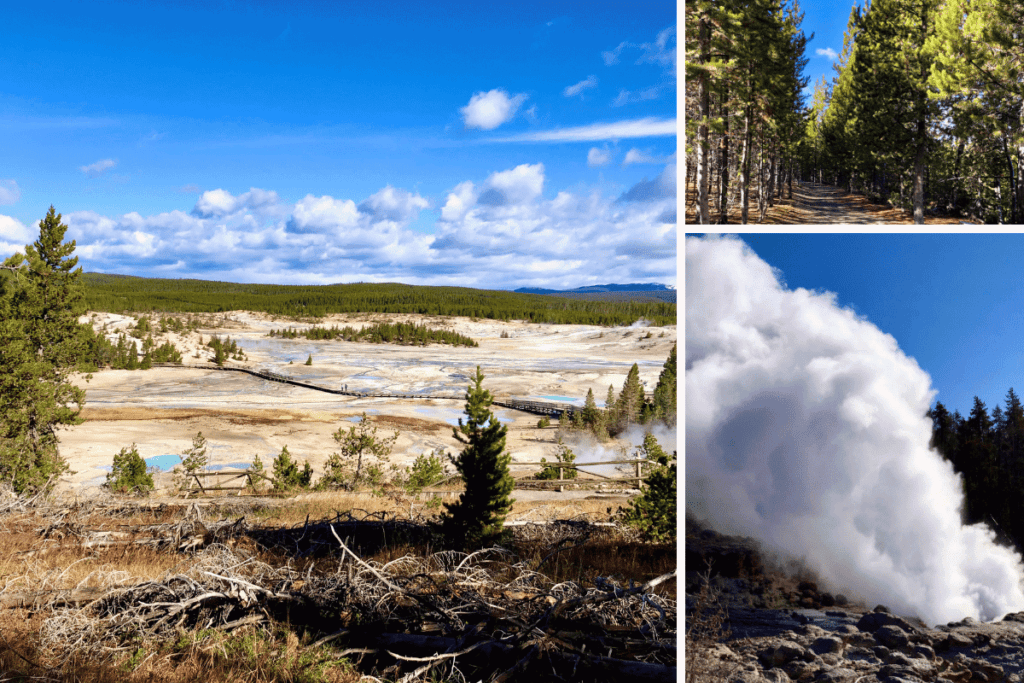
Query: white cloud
x=488 y=110
x=221 y=202
x=520 y=184
x=493 y=232
x=598 y=157
x=97 y=169
x=9 y=192
x=393 y=205
x=531 y=113
x=662 y=50
x=12 y=231
x=322 y=214
x=612 y=57
x=826 y=52
x=573 y=90
x=636 y=156
x=637 y=128
x=627 y=97
x=458 y=202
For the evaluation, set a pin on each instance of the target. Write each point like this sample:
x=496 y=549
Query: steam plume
x=806 y=429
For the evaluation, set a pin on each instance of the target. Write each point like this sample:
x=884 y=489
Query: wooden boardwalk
x=535 y=407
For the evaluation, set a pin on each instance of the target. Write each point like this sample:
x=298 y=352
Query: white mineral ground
x=241 y=416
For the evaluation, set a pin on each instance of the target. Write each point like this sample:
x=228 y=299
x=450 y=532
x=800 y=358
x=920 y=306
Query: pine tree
x=476 y=518
x=40 y=345
x=591 y=416
x=128 y=472
x=630 y=401
x=286 y=471
x=664 y=398
x=654 y=511
x=194 y=458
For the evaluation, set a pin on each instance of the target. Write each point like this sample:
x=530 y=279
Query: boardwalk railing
x=535 y=407
x=202 y=481
x=578 y=466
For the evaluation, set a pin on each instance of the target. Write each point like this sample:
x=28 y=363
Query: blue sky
x=496 y=146
x=827 y=21
x=955 y=303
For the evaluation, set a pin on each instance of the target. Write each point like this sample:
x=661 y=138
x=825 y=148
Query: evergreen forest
x=987 y=450
x=120 y=293
x=923 y=112
x=409 y=334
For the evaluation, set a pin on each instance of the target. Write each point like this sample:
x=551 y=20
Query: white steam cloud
x=806 y=429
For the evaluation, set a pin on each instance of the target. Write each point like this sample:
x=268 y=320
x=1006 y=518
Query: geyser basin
x=806 y=429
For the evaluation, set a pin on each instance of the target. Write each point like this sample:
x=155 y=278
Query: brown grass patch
x=240 y=417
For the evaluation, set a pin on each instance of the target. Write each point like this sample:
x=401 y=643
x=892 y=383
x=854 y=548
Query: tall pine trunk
x=703 y=143
x=745 y=169
x=723 y=155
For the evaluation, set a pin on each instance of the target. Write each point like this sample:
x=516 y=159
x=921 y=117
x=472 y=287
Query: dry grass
x=45 y=552
x=240 y=416
x=705 y=631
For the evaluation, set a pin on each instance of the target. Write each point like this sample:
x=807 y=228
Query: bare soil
x=814 y=204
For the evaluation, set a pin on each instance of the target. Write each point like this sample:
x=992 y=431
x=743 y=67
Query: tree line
x=987 y=450
x=380 y=333
x=118 y=294
x=745 y=118
x=924 y=110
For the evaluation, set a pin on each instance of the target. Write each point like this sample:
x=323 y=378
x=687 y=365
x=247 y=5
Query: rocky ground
x=754 y=622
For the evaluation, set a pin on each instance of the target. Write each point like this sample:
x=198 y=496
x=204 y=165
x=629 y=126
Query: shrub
x=128 y=473
x=543 y=422
x=425 y=471
x=359 y=445
x=287 y=475
x=256 y=468
x=564 y=456
x=309 y=361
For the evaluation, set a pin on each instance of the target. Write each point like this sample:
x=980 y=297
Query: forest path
x=814 y=204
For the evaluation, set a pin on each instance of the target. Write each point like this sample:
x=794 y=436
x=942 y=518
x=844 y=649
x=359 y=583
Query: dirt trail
x=825 y=204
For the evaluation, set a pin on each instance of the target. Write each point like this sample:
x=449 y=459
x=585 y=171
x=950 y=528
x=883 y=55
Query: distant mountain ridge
x=637 y=291
x=633 y=287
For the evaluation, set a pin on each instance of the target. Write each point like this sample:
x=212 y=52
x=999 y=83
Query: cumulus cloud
x=638 y=128
x=826 y=52
x=520 y=184
x=390 y=204
x=221 y=202
x=9 y=192
x=323 y=214
x=664 y=185
x=495 y=231
x=13 y=231
x=598 y=157
x=98 y=168
x=488 y=110
x=586 y=84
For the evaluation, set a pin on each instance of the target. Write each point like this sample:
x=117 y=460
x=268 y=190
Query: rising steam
x=806 y=429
